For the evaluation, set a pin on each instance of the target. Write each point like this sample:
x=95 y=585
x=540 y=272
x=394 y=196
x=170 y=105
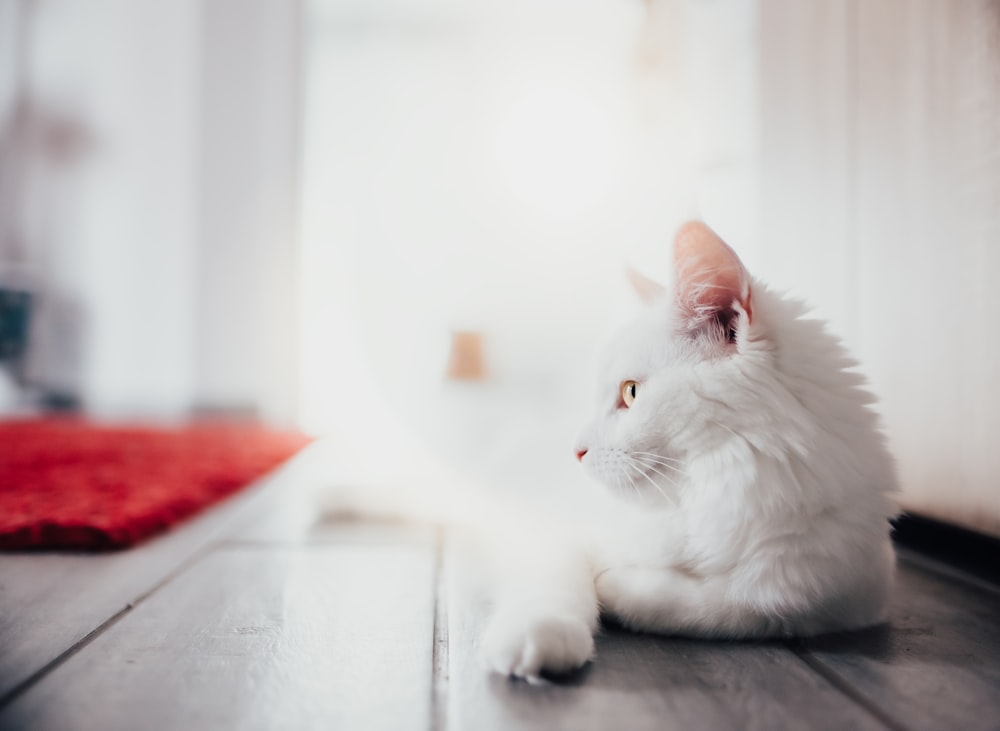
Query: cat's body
x=756 y=485
x=753 y=484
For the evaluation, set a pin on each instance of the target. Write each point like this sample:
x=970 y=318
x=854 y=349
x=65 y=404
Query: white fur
x=754 y=493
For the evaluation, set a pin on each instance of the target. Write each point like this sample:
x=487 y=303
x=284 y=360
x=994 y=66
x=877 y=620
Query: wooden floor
x=253 y=617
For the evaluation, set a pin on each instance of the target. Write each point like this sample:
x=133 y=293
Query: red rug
x=68 y=484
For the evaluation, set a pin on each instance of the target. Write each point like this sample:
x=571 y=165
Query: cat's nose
x=580 y=453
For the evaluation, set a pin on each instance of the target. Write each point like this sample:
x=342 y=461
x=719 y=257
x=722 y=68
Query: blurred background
x=407 y=222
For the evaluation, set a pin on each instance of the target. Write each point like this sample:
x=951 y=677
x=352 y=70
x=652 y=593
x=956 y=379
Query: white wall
x=173 y=233
x=804 y=155
x=246 y=341
x=120 y=241
x=495 y=166
x=848 y=149
x=880 y=203
x=928 y=197
x=469 y=166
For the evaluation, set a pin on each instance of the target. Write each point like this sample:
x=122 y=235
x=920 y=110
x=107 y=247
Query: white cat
x=754 y=483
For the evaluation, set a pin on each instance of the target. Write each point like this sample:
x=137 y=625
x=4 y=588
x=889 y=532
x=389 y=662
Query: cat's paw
x=524 y=646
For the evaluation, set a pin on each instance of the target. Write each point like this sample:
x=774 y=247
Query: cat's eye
x=628 y=392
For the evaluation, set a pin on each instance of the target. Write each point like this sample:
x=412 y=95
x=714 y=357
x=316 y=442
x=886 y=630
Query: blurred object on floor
x=466 y=361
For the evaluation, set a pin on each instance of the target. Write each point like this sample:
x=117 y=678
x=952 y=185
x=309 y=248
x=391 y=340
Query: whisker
x=656 y=460
x=659 y=456
x=652 y=482
x=643 y=474
x=635 y=488
x=631 y=481
x=669 y=478
x=647 y=461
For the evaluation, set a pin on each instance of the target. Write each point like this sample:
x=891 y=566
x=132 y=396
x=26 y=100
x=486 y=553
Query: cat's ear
x=648 y=290
x=712 y=284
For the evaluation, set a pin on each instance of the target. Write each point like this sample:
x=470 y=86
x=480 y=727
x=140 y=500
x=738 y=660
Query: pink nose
x=580 y=453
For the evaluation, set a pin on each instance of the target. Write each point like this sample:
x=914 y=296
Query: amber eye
x=628 y=392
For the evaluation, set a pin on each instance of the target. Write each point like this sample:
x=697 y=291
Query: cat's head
x=693 y=370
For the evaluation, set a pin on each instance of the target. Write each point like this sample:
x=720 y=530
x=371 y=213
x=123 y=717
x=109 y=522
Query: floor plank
x=937 y=664
x=258 y=616
x=49 y=602
x=643 y=682
x=289 y=512
x=331 y=636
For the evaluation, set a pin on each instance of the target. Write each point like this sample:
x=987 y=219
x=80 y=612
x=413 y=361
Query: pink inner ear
x=710 y=276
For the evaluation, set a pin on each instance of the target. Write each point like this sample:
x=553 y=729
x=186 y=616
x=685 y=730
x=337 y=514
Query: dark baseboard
x=966 y=550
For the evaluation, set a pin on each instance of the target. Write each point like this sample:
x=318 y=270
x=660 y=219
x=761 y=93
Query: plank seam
x=439 y=639
x=846 y=689
x=220 y=518
x=11 y=695
x=21 y=688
